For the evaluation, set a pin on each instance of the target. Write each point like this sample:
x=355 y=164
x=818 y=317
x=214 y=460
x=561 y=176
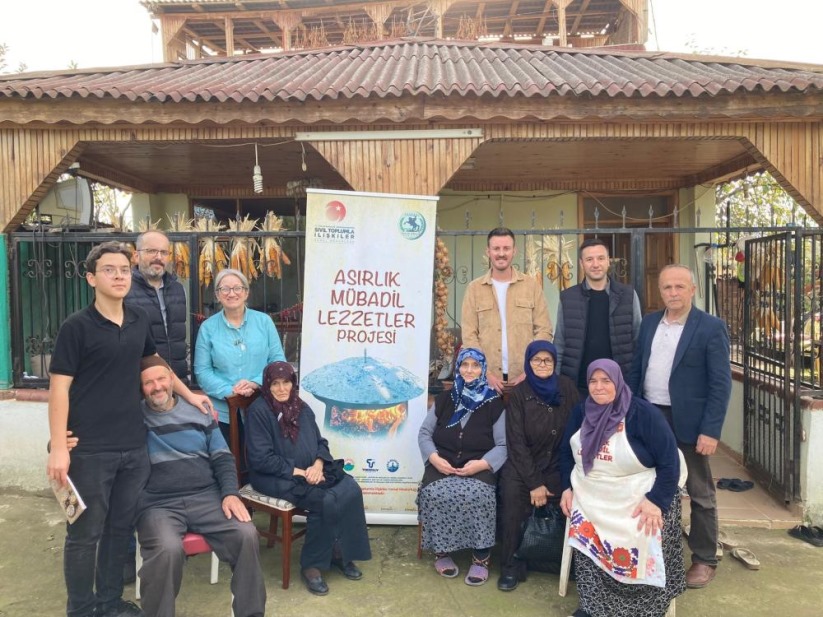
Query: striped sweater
x=188 y=455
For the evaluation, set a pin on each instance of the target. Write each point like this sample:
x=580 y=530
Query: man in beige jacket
x=502 y=335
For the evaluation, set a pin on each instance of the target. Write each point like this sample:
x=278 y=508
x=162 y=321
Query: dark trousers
x=336 y=517
x=97 y=543
x=161 y=529
x=703 y=498
x=515 y=508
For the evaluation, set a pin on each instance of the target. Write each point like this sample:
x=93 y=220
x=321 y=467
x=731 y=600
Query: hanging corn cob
x=212 y=256
x=181 y=258
x=442 y=272
x=243 y=248
x=272 y=253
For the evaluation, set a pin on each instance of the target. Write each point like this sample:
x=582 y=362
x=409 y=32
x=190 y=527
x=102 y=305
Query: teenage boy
x=95 y=393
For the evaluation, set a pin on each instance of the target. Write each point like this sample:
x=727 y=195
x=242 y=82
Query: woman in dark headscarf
x=289 y=459
x=463 y=444
x=620 y=470
x=536 y=416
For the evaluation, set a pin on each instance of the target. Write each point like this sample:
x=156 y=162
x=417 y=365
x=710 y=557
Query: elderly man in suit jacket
x=681 y=364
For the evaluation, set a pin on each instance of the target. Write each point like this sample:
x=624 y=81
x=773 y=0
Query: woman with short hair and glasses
x=234 y=346
x=536 y=415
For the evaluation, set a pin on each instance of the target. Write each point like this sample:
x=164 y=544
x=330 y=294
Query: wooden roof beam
x=720 y=173
x=202 y=40
x=541 y=25
x=507 y=28
x=100 y=172
x=576 y=23
x=266 y=30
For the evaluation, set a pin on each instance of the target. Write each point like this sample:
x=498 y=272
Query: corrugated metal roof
x=422 y=67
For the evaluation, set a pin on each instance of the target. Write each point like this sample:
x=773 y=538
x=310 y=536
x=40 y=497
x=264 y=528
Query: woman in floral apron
x=620 y=469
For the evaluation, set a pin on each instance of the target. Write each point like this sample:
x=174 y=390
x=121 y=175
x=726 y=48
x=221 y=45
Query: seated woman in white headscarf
x=463 y=444
x=620 y=468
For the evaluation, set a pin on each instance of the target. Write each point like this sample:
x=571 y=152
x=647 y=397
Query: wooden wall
x=32 y=159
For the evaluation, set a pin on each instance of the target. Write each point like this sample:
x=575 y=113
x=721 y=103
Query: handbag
x=544 y=534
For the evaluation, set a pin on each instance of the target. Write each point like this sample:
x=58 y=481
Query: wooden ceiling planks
x=217 y=161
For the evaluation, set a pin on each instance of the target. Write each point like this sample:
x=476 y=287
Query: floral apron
x=602 y=527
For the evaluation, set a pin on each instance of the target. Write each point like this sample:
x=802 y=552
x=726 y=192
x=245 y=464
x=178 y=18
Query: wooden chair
x=278 y=509
x=565 y=569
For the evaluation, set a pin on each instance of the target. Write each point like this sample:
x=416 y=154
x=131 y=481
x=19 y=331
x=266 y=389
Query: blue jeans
x=97 y=543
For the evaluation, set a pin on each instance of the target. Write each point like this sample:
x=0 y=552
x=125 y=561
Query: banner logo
x=335 y=211
x=412 y=225
x=335 y=234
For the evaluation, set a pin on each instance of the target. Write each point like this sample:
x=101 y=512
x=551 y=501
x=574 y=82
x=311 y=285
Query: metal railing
x=47 y=279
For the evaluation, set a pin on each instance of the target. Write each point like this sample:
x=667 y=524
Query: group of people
x=606 y=424
x=160 y=463
x=596 y=424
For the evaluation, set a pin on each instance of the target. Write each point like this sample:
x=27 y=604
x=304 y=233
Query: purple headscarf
x=601 y=421
x=288 y=411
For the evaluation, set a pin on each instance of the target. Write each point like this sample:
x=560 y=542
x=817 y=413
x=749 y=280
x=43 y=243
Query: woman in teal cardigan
x=234 y=346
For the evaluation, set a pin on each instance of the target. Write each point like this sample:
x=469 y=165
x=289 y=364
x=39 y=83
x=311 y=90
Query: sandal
x=802 y=532
x=479 y=572
x=726 y=541
x=446 y=567
x=747 y=557
x=738 y=486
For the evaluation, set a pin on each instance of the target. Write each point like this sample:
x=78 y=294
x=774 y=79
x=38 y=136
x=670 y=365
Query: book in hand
x=69 y=499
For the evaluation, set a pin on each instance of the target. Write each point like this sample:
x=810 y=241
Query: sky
x=50 y=34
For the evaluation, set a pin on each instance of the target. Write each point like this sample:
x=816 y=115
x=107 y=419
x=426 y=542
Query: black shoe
x=121 y=609
x=349 y=570
x=507 y=582
x=130 y=571
x=314 y=582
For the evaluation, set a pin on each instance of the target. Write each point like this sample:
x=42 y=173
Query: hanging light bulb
x=303 y=166
x=257 y=176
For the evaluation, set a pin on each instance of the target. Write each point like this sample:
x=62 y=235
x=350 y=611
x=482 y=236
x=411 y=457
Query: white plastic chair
x=566 y=565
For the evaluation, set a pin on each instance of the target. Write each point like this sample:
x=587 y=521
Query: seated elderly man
x=192 y=487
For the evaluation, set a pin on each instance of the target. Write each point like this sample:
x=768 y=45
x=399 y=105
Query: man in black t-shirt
x=599 y=318
x=94 y=392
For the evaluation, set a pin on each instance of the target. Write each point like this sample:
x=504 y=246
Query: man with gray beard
x=158 y=292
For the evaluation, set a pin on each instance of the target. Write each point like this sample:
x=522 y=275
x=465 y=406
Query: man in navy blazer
x=681 y=364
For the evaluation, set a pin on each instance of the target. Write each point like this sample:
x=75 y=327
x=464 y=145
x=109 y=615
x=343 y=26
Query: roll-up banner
x=364 y=360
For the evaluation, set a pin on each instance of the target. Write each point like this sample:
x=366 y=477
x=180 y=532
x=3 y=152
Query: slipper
x=726 y=541
x=477 y=575
x=808 y=534
x=724 y=482
x=747 y=557
x=446 y=567
x=718 y=553
x=738 y=486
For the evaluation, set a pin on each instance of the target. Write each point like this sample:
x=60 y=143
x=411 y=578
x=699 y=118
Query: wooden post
x=286 y=21
x=229 y=36
x=561 y=21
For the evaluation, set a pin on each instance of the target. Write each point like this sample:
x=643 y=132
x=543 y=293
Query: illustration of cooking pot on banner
x=364 y=396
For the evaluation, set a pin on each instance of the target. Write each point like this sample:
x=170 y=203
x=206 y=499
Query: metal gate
x=773 y=360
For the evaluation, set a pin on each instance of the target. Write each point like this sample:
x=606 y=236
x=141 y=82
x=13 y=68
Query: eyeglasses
x=154 y=252
x=111 y=271
x=225 y=291
x=541 y=362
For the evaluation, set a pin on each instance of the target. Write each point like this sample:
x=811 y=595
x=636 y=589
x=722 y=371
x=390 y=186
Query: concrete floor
x=395 y=582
